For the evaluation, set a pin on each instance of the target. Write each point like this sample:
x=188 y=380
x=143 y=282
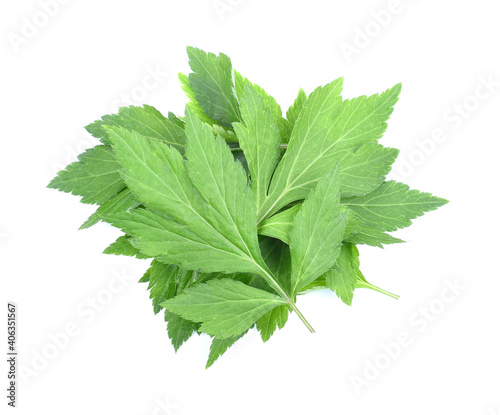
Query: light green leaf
x=220 y=346
x=119 y=203
x=259 y=138
x=166 y=281
x=269 y=322
x=369 y=235
x=185 y=230
x=145 y=277
x=147 y=121
x=123 y=246
x=366 y=169
x=342 y=278
x=293 y=112
x=94 y=176
x=293 y=179
x=222 y=182
x=317 y=232
x=392 y=205
x=276 y=254
x=326 y=132
x=283 y=125
x=212 y=81
x=226 y=308
x=193 y=104
x=277 y=257
x=163 y=280
x=179 y=329
x=280 y=225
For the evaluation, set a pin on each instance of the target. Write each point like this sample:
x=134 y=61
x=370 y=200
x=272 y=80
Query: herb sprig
x=239 y=209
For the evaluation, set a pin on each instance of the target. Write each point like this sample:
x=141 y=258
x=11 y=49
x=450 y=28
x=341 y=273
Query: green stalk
x=366 y=284
x=277 y=286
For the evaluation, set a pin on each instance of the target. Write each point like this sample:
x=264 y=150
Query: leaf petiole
x=366 y=284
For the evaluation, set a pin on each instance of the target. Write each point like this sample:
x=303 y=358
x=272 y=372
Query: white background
x=83 y=61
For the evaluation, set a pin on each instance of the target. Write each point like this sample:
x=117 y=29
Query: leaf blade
x=213 y=83
x=259 y=139
x=392 y=205
x=224 y=307
x=317 y=232
x=95 y=176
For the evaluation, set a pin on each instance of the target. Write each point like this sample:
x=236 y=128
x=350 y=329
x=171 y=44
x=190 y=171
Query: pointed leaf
x=147 y=121
x=259 y=138
x=184 y=229
x=119 y=203
x=193 y=103
x=220 y=346
x=242 y=83
x=94 y=176
x=317 y=232
x=293 y=112
x=342 y=278
x=212 y=81
x=326 y=132
x=123 y=246
x=226 y=308
x=280 y=225
x=392 y=205
x=272 y=320
x=179 y=330
x=293 y=178
x=366 y=169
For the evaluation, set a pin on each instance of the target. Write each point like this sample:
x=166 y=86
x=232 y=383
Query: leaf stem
x=366 y=284
x=301 y=316
x=277 y=286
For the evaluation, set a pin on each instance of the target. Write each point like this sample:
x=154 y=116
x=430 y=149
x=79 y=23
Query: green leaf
x=259 y=138
x=317 y=232
x=193 y=103
x=366 y=169
x=220 y=346
x=293 y=179
x=276 y=254
x=342 y=278
x=277 y=257
x=226 y=308
x=293 y=112
x=269 y=322
x=119 y=203
x=145 y=277
x=369 y=235
x=326 y=132
x=123 y=246
x=211 y=226
x=94 y=176
x=193 y=234
x=240 y=209
x=212 y=81
x=242 y=83
x=392 y=205
x=179 y=330
x=280 y=225
x=166 y=281
x=146 y=120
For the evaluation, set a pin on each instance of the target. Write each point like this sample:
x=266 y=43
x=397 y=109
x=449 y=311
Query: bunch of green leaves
x=240 y=209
